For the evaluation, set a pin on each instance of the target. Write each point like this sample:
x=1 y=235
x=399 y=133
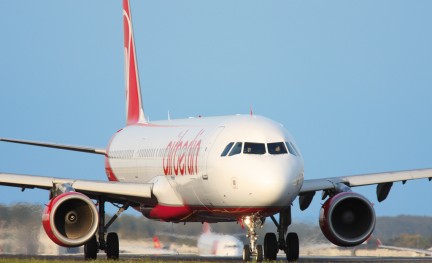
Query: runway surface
x=195 y=258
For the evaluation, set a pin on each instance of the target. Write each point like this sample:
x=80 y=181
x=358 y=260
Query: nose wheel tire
x=259 y=253
x=292 y=247
x=246 y=253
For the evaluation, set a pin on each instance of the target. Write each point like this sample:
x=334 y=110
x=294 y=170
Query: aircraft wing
x=58 y=146
x=384 y=182
x=117 y=192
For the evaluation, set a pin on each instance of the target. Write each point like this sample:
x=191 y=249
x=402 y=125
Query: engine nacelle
x=347 y=219
x=70 y=219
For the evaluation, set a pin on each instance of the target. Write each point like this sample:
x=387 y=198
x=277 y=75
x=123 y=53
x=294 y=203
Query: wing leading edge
x=58 y=146
x=384 y=182
x=117 y=192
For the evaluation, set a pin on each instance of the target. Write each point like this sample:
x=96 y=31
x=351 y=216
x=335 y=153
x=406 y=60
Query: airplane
x=219 y=245
x=239 y=168
x=211 y=244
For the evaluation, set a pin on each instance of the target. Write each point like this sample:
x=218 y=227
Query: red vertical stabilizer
x=206 y=228
x=134 y=107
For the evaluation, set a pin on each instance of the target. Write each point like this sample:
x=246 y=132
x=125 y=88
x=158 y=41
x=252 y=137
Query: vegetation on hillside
x=405 y=231
x=20 y=226
x=21 y=223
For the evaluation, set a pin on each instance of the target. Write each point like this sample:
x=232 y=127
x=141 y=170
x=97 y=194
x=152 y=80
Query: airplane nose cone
x=276 y=182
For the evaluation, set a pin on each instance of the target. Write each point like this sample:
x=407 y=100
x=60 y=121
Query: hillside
x=21 y=224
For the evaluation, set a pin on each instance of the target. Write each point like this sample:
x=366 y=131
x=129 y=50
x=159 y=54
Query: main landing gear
x=288 y=242
x=111 y=244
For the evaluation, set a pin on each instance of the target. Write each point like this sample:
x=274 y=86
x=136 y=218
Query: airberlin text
x=181 y=156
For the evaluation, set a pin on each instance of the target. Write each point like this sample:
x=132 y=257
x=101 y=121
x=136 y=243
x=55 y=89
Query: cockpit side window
x=236 y=149
x=292 y=149
x=227 y=149
x=254 y=148
x=276 y=148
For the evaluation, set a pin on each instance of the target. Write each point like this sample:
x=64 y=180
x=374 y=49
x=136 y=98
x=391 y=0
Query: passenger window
x=292 y=149
x=276 y=148
x=236 y=149
x=254 y=148
x=227 y=148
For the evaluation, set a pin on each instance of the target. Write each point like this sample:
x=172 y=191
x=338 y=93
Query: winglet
x=134 y=107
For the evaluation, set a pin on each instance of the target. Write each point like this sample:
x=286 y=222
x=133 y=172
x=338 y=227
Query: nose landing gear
x=287 y=242
x=253 y=251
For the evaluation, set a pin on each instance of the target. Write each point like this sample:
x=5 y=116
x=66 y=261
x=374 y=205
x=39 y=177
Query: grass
x=19 y=259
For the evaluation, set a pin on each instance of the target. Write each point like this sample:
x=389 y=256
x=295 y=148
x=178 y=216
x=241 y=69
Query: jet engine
x=347 y=219
x=70 y=219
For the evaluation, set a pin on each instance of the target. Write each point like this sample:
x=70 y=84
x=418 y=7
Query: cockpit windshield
x=236 y=149
x=292 y=149
x=227 y=149
x=276 y=148
x=254 y=148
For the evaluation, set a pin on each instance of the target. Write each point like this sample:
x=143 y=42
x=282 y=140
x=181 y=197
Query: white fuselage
x=183 y=157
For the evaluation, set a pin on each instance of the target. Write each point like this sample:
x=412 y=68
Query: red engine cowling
x=70 y=219
x=347 y=219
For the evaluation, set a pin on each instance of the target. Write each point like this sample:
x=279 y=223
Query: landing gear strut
x=252 y=222
x=111 y=244
x=290 y=244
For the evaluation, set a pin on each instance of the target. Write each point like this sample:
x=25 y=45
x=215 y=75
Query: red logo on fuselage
x=181 y=156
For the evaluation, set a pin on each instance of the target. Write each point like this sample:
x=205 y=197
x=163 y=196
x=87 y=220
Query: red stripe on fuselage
x=109 y=171
x=201 y=213
x=170 y=213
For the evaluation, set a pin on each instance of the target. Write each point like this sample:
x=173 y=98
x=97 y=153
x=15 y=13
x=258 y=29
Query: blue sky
x=351 y=80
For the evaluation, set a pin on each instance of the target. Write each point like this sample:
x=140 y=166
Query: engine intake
x=70 y=219
x=347 y=219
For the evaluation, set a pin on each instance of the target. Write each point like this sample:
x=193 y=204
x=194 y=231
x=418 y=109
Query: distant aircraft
x=157 y=249
x=213 y=244
x=156 y=243
x=240 y=168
